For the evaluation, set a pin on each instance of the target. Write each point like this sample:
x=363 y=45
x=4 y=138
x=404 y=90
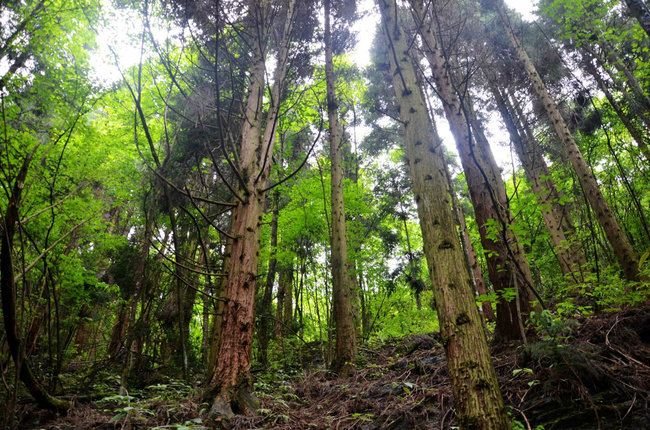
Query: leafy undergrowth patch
x=169 y=404
x=596 y=375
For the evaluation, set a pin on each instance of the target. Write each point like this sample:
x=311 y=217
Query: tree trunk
x=626 y=255
x=640 y=11
x=570 y=256
x=346 y=342
x=507 y=265
x=474 y=384
x=637 y=133
x=471 y=259
x=231 y=383
x=266 y=314
x=284 y=311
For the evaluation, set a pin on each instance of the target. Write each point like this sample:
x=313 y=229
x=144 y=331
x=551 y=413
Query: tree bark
x=507 y=265
x=266 y=314
x=625 y=253
x=346 y=343
x=570 y=256
x=231 y=383
x=476 y=392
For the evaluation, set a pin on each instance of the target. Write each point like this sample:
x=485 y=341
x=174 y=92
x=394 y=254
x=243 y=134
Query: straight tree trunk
x=266 y=316
x=570 y=256
x=346 y=343
x=529 y=134
x=637 y=133
x=640 y=11
x=284 y=312
x=231 y=383
x=507 y=264
x=625 y=253
x=479 y=404
x=471 y=259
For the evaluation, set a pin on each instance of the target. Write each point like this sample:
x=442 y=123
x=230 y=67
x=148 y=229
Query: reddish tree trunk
x=231 y=384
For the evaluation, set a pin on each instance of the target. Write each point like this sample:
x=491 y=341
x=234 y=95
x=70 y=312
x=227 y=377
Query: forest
x=325 y=214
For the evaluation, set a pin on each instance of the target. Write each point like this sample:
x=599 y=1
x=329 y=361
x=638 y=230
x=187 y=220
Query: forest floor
x=598 y=377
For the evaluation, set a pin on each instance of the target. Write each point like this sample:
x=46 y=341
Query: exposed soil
x=597 y=378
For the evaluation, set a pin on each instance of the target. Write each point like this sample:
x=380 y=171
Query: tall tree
x=475 y=387
x=342 y=285
x=231 y=383
x=625 y=253
x=507 y=264
x=556 y=217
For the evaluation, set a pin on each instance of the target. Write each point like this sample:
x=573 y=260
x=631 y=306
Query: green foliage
x=99 y=219
x=551 y=326
x=401 y=318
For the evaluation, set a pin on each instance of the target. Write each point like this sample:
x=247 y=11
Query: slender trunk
x=266 y=314
x=640 y=11
x=471 y=259
x=568 y=254
x=346 y=342
x=284 y=309
x=476 y=392
x=286 y=315
x=507 y=265
x=626 y=255
x=637 y=133
x=365 y=310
